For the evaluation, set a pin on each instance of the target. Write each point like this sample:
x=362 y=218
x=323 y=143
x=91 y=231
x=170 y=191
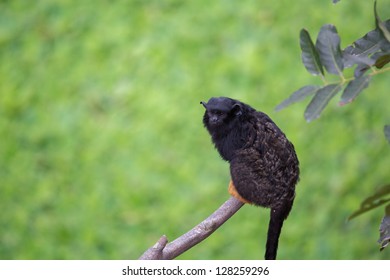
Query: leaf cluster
x=371 y=52
x=379 y=198
x=369 y=55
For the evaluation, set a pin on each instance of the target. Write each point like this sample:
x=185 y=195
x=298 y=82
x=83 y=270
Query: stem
x=323 y=79
x=373 y=73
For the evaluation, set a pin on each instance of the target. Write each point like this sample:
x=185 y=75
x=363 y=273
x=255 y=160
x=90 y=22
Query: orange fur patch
x=233 y=192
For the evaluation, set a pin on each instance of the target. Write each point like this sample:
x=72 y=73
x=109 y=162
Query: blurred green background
x=102 y=144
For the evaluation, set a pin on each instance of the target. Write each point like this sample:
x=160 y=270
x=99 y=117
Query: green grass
x=103 y=148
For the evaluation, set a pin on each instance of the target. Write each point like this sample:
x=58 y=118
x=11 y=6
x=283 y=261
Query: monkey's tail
x=277 y=218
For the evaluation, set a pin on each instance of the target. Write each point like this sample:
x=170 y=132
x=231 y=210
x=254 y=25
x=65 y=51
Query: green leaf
x=360 y=70
x=310 y=56
x=328 y=46
x=387 y=132
x=385 y=31
x=351 y=59
x=385 y=43
x=362 y=49
x=371 y=43
x=353 y=89
x=380 y=197
x=320 y=100
x=382 y=60
x=381 y=25
x=384 y=230
x=298 y=95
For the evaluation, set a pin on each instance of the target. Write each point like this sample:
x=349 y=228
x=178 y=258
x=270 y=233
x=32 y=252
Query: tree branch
x=163 y=250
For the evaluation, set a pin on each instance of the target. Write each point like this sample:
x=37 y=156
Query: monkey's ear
x=237 y=110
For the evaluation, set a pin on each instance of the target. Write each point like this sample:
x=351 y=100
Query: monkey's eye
x=218 y=113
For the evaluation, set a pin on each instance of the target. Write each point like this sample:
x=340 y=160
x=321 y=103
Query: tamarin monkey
x=264 y=167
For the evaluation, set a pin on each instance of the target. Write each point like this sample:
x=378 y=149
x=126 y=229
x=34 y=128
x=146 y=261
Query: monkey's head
x=227 y=120
x=221 y=112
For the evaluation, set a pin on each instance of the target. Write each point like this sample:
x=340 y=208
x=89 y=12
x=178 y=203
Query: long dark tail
x=274 y=229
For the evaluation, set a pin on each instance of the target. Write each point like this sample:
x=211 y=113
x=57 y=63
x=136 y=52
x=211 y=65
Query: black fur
x=263 y=164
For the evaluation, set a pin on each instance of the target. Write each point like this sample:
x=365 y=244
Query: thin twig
x=163 y=250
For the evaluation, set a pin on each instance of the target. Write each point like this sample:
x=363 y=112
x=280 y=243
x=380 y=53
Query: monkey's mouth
x=215 y=123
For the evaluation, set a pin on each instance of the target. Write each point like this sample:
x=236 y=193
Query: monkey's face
x=216 y=117
x=220 y=111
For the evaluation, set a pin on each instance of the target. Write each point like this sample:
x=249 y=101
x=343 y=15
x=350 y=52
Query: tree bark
x=163 y=250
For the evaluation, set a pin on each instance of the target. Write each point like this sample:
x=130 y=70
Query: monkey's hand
x=233 y=192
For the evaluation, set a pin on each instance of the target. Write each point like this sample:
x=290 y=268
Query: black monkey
x=264 y=167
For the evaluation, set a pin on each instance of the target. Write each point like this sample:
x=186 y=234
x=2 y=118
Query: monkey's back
x=266 y=169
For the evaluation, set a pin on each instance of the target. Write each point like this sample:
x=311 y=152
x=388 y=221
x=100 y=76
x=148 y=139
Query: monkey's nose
x=214 y=120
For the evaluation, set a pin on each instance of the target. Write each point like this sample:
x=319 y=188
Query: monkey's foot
x=233 y=192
